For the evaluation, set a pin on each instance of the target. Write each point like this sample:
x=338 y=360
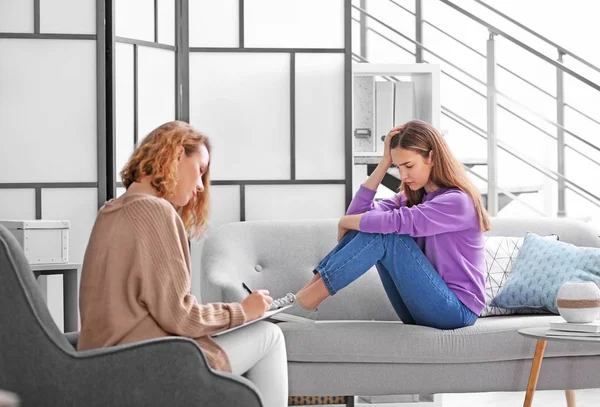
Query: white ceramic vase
x=579 y=301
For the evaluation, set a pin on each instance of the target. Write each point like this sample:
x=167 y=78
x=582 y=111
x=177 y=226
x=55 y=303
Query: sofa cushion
x=489 y=340
x=541 y=267
x=500 y=255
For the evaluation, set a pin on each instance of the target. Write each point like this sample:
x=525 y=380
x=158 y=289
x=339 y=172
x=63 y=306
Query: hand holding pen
x=256 y=303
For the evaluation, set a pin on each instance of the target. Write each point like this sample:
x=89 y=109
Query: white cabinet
x=384 y=96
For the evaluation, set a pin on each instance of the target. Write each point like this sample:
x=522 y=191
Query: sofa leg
x=570 y=395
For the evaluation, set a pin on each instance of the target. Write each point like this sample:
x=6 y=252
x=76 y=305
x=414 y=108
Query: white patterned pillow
x=500 y=255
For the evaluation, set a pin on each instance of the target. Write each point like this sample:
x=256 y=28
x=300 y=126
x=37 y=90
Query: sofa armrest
x=218 y=285
x=164 y=371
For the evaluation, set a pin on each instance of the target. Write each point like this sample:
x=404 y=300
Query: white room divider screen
x=268 y=81
x=145 y=72
x=271 y=96
x=49 y=93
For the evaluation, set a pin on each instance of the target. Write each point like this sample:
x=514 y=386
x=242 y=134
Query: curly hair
x=156 y=156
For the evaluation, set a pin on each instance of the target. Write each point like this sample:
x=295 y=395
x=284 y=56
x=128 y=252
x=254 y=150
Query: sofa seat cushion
x=489 y=340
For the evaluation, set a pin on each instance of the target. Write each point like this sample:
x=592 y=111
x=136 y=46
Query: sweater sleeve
x=166 y=279
x=363 y=202
x=448 y=212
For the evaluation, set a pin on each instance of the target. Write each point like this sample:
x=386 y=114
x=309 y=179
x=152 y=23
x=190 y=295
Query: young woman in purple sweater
x=426 y=242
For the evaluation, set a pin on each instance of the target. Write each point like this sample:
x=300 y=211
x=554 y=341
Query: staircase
x=500 y=107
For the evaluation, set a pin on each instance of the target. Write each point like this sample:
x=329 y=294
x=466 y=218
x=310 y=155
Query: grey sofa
x=41 y=365
x=359 y=347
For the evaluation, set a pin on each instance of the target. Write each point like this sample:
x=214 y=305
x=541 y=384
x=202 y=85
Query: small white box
x=44 y=241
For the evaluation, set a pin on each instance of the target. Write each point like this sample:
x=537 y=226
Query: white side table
x=70 y=302
x=539 y=333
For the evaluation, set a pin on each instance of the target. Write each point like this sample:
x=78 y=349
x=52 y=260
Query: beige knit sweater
x=135 y=281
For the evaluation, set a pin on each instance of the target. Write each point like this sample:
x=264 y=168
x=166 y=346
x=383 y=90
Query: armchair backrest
x=31 y=345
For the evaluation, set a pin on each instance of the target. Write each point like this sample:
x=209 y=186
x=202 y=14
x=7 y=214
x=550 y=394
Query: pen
x=247 y=288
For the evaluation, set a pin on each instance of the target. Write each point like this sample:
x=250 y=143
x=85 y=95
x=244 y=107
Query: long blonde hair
x=447 y=171
x=156 y=156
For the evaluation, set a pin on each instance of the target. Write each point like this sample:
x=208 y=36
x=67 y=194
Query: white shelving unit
x=386 y=95
x=426 y=80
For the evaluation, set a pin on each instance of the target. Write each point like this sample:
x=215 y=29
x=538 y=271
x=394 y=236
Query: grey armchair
x=41 y=365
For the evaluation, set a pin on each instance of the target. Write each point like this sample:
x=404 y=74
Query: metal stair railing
x=560 y=49
x=557 y=175
x=553 y=175
x=545 y=171
x=508 y=110
x=505 y=191
x=496 y=31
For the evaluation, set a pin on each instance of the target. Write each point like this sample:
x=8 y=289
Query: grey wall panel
x=294 y=23
x=49 y=110
x=17 y=204
x=156 y=88
x=214 y=23
x=16 y=16
x=319 y=110
x=242 y=101
x=57 y=16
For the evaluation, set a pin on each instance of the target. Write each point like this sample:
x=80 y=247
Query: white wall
x=48 y=122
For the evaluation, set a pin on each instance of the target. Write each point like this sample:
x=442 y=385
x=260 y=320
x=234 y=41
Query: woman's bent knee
x=272 y=333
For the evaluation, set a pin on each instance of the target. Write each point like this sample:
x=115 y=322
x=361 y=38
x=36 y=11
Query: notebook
x=576 y=327
x=553 y=332
x=267 y=314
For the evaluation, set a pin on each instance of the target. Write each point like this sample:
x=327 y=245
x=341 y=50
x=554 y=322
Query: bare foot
x=311 y=296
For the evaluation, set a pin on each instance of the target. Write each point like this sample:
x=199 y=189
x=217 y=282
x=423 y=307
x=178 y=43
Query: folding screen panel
x=17 y=204
x=134 y=19
x=268 y=83
x=293 y=201
x=165 y=22
x=144 y=72
x=49 y=110
x=225 y=203
x=294 y=24
x=58 y=16
x=79 y=207
x=49 y=104
x=214 y=23
x=267 y=80
x=124 y=106
x=319 y=116
x=16 y=16
x=248 y=120
x=155 y=87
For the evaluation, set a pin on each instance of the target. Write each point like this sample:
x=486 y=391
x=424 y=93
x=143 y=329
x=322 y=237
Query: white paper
x=267 y=314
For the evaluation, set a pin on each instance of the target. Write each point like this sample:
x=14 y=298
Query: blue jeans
x=415 y=289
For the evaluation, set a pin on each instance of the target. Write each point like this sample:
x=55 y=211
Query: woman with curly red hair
x=136 y=277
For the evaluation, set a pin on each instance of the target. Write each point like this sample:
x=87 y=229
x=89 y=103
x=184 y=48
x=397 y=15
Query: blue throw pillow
x=541 y=267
